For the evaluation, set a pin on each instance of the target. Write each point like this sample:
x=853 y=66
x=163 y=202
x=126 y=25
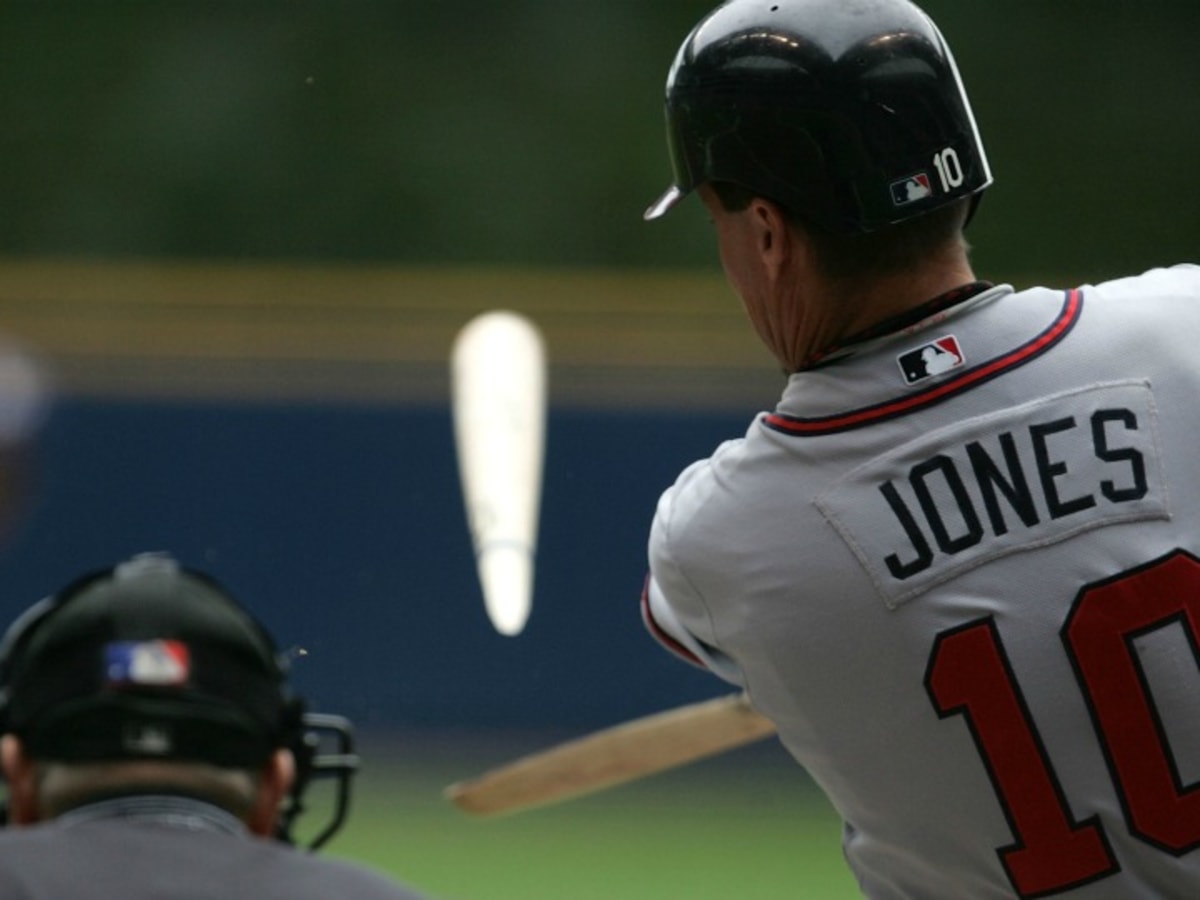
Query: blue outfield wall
x=343 y=528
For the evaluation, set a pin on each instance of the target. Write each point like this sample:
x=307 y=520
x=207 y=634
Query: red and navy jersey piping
x=970 y=378
x=660 y=634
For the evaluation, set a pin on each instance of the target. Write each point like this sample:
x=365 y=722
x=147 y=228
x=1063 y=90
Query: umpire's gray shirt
x=170 y=848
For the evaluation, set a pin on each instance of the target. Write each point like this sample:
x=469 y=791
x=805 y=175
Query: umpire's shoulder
x=324 y=876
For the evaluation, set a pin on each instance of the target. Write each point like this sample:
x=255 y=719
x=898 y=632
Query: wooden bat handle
x=613 y=756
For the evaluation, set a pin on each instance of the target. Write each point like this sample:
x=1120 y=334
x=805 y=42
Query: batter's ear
x=775 y=236
x=784 y=248
x=21 y=776
x=275 y=781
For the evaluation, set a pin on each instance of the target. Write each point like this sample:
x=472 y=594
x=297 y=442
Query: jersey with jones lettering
x=959 y=568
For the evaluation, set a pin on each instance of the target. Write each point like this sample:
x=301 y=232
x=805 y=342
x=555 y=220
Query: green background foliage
x=529 y=132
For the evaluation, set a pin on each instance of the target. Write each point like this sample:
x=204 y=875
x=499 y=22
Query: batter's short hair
x=890 y=250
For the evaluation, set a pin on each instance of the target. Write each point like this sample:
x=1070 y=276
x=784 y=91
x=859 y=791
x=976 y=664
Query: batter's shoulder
x=1169 y=282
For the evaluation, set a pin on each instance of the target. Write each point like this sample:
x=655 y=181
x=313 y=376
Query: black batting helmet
x=849 y=113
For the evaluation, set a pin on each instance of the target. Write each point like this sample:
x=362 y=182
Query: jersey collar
x=175 y=811
x=903 y=403
x=905 y=321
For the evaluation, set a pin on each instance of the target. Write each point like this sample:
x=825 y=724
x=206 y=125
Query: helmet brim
x=664 y=204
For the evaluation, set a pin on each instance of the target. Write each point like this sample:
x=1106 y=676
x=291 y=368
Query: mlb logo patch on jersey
x=931 y=359
x=147 y=663
x=911 y=189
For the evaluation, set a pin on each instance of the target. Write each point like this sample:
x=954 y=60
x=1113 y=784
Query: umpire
x=152 y=749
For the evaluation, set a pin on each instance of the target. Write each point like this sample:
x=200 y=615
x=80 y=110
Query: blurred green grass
x=749 y=824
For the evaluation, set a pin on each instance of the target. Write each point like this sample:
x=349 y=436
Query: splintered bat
x=613 y=756
x=498 y=398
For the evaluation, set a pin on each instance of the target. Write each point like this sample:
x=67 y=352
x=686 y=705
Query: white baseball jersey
x=959 y=567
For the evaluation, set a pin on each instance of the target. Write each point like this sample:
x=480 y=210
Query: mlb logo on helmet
x=147 y=663
x=931 y=359
x=911 y=189
x=147 y=740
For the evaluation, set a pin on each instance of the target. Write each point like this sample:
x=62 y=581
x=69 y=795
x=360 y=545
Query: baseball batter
x=958 y=565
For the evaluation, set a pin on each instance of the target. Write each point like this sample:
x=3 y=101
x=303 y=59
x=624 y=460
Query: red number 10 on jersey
x=970 y=674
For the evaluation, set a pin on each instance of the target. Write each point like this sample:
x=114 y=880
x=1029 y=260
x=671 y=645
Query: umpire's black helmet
x=152 y=660
x=849 y=113
x=147 y=659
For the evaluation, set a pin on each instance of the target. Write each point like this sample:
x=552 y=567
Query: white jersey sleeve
x=682 y=624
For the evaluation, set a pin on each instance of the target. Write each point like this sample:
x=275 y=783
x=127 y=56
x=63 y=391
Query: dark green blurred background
x=529 y=131
x=347 y=182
